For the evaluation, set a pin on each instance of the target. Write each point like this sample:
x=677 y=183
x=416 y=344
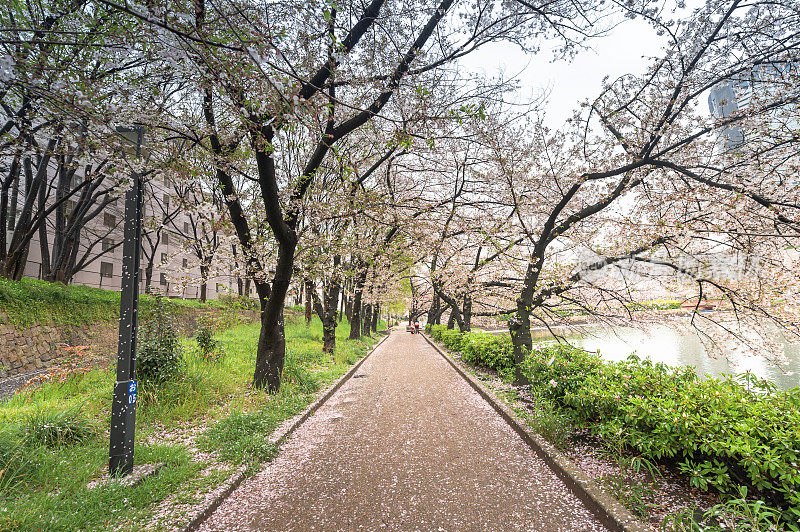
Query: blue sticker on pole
x=132 y=393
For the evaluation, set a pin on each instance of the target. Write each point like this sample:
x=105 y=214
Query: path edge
x=240 y=474
x=609 y=510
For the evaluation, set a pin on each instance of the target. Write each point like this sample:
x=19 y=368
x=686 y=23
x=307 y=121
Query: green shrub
x=159 y=357
x=436 y=331
x=209 y=347
x=725 y=433
x=57 y=428
x=236 y=302
x=492 y=351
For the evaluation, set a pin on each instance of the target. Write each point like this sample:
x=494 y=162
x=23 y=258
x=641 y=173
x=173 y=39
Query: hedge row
x=726 y=434
x=491 y=351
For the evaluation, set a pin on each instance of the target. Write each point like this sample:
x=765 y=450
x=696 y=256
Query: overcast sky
x=622 y=51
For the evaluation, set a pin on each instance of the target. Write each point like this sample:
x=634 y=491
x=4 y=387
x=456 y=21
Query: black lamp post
x=123 y=408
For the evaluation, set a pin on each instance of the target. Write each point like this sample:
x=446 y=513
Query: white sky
x=622 y=51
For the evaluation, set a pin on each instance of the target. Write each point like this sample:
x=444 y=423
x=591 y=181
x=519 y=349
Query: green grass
x=32 y=301
x=213 y=400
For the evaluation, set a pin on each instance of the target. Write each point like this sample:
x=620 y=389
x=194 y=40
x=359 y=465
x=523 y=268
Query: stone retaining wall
x=37 y=346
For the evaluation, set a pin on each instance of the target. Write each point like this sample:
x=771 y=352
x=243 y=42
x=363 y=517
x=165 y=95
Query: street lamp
x=123 y=407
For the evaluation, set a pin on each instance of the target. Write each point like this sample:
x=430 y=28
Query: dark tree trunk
x=376 y=313
x=435 y=312
x=148 y=276
x=519 y=326
x=326 y=310
x=451 y=321
x=272 y=340
x=466 y=315
x=367 y=325
x=298 y=300
x=330 y=320
x=348 y=309
x=355 y=316
x=204 y=271
x=309 y=308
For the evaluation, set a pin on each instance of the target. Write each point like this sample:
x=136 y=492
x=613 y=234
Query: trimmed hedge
x=727 y=434
x=487 y=350
x=724 y=433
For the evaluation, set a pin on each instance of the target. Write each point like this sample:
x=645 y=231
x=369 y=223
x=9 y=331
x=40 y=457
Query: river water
x=664 y=344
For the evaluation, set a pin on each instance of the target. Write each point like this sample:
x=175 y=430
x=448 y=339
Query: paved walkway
x=406 y=444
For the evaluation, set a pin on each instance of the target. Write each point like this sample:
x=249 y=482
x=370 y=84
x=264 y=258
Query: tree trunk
x=326 y=310
x=309 y=309
x=466 y=314
x=435 y=312
x=367 y=325
x=519 y=326
x=204 y=271
x=355 y=316
x=330 y=319
x=348 y=309
x=148 y=277
x=376 y=312
x=272 y=340
x=451 y=321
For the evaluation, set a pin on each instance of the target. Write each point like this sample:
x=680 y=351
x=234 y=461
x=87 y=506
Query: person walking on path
x=405 y=444
x=416 y=325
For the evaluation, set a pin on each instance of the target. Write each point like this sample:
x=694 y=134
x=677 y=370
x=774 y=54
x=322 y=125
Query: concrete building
x=744 y=92
x=175 y=272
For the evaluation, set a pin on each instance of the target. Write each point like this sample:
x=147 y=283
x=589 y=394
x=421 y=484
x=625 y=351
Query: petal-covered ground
x=404 y=444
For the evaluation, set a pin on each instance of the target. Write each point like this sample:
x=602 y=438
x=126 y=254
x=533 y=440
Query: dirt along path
x=404 y=444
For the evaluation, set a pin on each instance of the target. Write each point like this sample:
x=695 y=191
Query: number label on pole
x=132 y=393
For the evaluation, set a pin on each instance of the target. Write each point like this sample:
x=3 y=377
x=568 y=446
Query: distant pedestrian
x=416 y=326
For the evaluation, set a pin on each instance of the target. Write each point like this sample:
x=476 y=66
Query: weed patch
x=51 y=443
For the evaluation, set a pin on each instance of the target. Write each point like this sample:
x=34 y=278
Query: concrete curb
x=237 y=477
x=610 y=511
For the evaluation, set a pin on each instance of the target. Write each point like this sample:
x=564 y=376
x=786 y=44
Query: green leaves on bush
x=159 y=357
x=492 y=351
x=724 y=433
x=209 y=347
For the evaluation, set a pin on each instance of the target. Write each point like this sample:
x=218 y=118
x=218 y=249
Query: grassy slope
x=213 y=401
x=29 y=300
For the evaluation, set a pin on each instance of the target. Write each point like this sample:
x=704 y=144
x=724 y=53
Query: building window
x=162 y=278
x=185 y=263
x=109 y=220
x=186 y=227
x=165 y=239
x=107 y=244
x=163 y=258
x=166 y=201
x=167 y=182
x=106 y=269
